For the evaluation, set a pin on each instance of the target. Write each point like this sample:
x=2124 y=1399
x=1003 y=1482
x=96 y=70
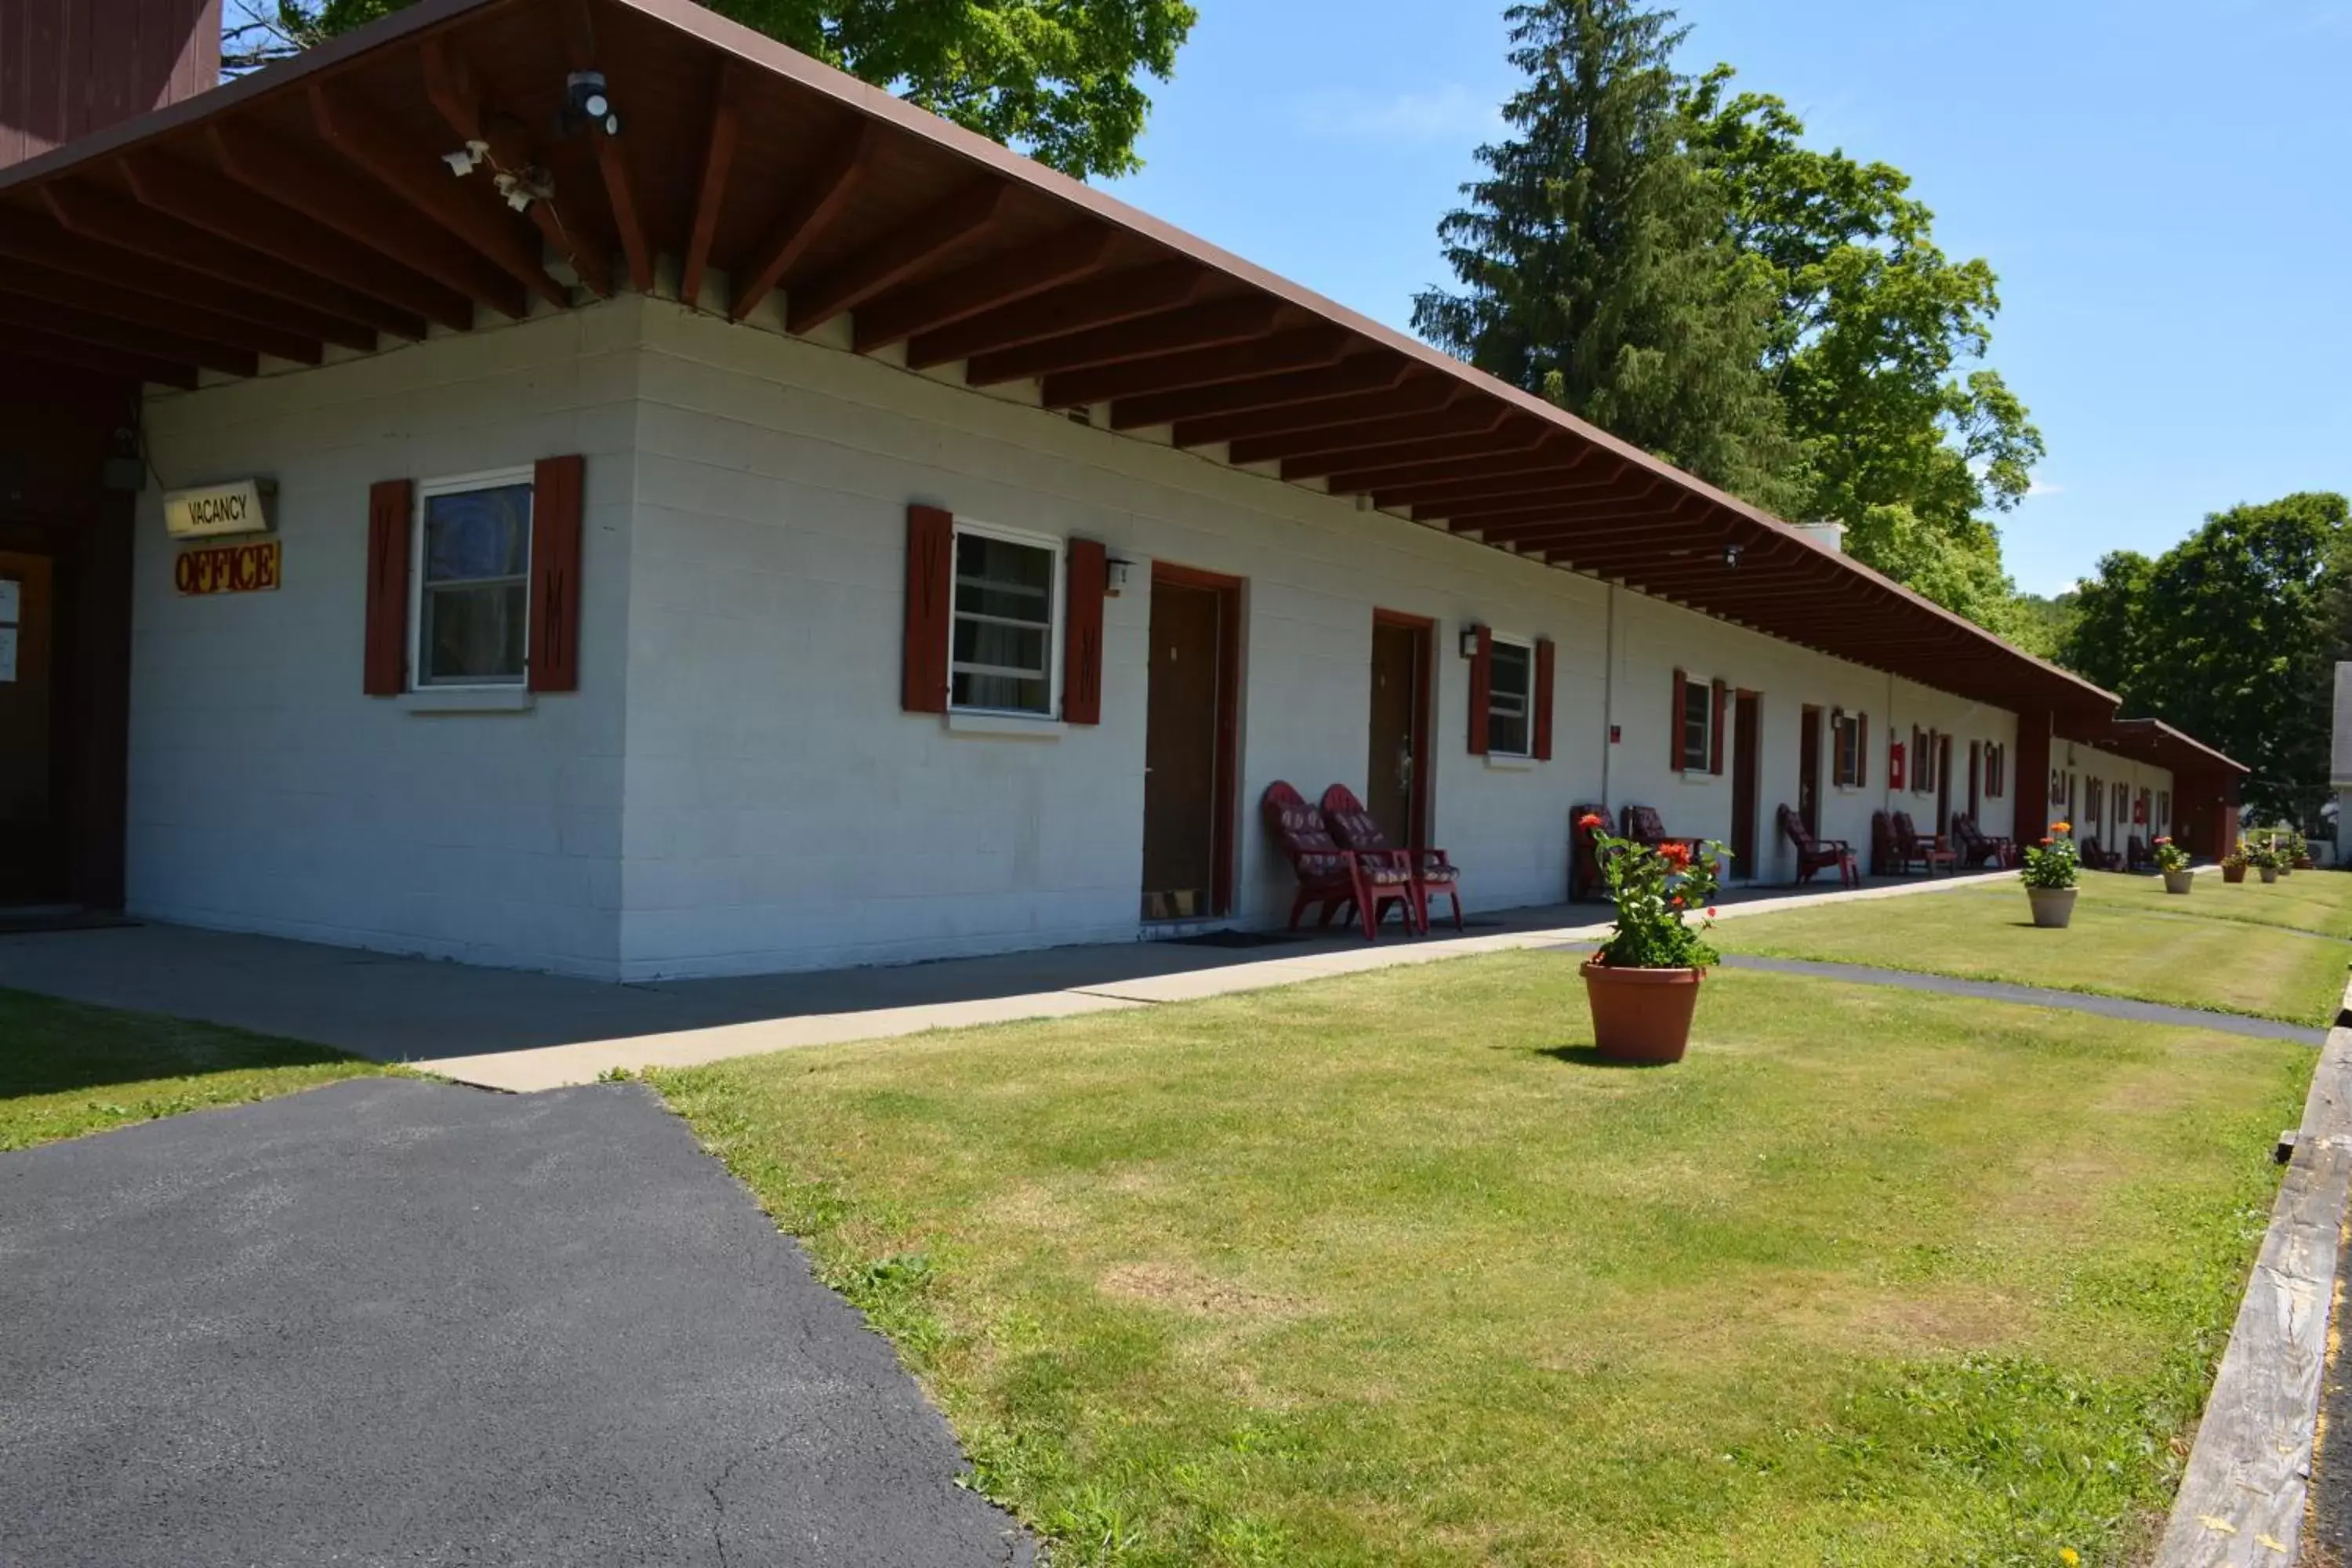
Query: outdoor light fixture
x=466 y=159
x=1470 y=639
x=1115 y=574
x=587 y=101
x=1731 y=555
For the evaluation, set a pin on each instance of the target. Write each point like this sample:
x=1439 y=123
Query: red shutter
x=1482 y=690
x=385 y=665
x=1861 y=750
x=1543 y=699
x=1675 y=724
x=930 y=582
x=555 y=499
x=1714 y=732
x=1082 y=647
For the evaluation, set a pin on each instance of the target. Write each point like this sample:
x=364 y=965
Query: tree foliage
x=2232 y=636
x=1055 y=78
x=1591 y=259
x=1644 y=234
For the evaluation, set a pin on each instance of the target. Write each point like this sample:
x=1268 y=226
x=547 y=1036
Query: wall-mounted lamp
x=1731 y=555
x=1116 y=575
x=1470 y=639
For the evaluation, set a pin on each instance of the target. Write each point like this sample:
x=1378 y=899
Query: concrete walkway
x=514 y=1030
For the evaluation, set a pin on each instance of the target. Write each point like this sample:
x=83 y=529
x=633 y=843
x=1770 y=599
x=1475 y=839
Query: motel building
x=574 y=485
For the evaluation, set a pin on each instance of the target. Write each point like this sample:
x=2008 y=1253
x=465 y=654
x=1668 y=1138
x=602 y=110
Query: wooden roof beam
x=106 y=218
x=896 y=257
x=1211 y=325
x=1058 y=260
x=25 y=238
x=124 y=337
x=1527 y=486
x=1116 y=297
x=1527 y=443
x=126 y=305
x=1366 y=441
x=804 y=216
x=267 y=167
x=1307 y=348
x=1417 y=395
x=484 y=222
x=581 y=52
x=710 y=185
x=449 y=84
x=1556 y=504
x=54 y=350
x=1360 y=373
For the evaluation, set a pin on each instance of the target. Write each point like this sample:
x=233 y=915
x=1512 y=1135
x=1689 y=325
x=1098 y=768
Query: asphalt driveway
x=397 y=1321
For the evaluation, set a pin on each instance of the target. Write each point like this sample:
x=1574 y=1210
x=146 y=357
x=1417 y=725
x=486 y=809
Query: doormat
x=1242 y=939
x=25 y=922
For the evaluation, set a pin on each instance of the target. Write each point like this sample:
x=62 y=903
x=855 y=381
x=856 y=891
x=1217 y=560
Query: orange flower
x=2162 y=839
x=2061 y=828
x=1710 y=912
x=1590 y=819
x=2045 y=844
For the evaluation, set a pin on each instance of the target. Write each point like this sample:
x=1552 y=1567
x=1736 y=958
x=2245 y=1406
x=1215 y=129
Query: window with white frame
x=472 y=577
x=1004 y=656
x=1697 y=725
x=1510 y=698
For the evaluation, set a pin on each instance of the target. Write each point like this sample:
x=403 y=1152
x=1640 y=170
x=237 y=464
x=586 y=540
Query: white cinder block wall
x=2082 y=765
x=265 y=792
x=734 y=788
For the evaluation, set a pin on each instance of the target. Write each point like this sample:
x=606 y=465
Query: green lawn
x=67 y=1069
x=1387 y=1269
x=2219 y=947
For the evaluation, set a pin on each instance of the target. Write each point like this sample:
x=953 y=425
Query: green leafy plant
x=2054 y=862
x=2171 y=857
x=1657 y=889
x=2261 y=854
x=2235 y=860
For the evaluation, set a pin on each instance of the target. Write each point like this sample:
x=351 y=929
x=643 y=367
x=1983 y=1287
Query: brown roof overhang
x=309 y=205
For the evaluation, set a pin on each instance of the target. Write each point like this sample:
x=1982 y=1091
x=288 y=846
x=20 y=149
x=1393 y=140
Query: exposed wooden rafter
x=582 y=54
x=1355 y=441
x=470 y=209
x=804 y=216
x=54 y=349
x=1514 y=449
x=269 y=168
x=1358 y=372
x=710 y=185
x=1116 y=297
x=898 y=256
x=1413 y=395
x=449 y=84
x=928 y=305
x=1211 y=325
x=140 y=309
x=123 y=337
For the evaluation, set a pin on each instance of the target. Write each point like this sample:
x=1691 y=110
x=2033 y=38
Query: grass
x=67 y=1069
x=2246 y=949
x=1390 y=1269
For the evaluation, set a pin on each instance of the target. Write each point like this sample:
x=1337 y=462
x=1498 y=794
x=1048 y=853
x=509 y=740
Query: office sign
x=228 y=568
x=240 y=506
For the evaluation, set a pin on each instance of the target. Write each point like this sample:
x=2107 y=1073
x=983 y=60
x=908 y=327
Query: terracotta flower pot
x=2270 y=873
x=2305 y=863
x=1641 y=1014
x=2053 y=907
x=2180 y=881
x=2234 y=873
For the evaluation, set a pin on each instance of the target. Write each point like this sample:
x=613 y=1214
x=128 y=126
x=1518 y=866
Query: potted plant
x=2299 y=849
x=2234 y=864
x=1644 y=982
x=2262 y=858
x=2173 y=861
x=2052 y=868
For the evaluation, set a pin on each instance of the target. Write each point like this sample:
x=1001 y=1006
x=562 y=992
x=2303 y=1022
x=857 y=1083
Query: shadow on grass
x=1590 y=1056
x=52 y=1046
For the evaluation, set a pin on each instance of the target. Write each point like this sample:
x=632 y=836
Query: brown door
x=1976 y=777
x=1746 y=749
x=1180 y=773
x=1943 y=785
x=33 y=838
x=1396 y=776
x=1809 y=770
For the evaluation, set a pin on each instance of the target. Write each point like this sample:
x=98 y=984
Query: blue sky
x=2162 y=188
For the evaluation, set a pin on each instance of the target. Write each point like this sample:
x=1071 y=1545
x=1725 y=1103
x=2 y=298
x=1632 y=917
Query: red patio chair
x=1356 y=829
x=2099 y=860
x=1911 y=845
x=1642 y=826
x=1328 y=874
x=1978 y=847
x=2136 y=855
x=1818 y=853
x=1584 y=853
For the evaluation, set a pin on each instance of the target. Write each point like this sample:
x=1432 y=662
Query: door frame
x=1417 y=810
x=1811 y=716
x=1223 y=856
x=1747 y=770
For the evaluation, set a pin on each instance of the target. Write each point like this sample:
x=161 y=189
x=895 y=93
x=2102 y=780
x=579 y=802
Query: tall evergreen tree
x=1594 y=261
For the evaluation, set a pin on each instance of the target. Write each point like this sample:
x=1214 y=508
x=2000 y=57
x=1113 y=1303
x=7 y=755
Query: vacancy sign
x=238 y=507
x=228 y=568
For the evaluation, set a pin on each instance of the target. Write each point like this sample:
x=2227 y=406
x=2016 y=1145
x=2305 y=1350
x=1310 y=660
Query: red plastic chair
x=1328 y=874
x=1911 y=845
x=1433 y=872
x=1818 y=853
x=1584 y=867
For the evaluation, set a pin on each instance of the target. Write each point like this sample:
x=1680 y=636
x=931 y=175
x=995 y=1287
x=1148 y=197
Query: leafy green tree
x=1055 y=78
x=1871 y=351
x=2231 y=636
x=1594 y=260
x=2044 y=624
